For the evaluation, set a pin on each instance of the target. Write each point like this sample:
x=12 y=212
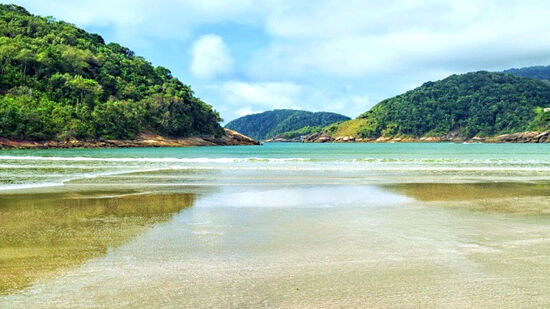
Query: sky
x=248 y=56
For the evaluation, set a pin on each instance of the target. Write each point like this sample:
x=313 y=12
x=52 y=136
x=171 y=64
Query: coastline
x=231 y=138
x=521 y=137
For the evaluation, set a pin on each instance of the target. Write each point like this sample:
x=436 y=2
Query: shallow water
x=281 y=225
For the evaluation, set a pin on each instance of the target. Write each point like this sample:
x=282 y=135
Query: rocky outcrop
x=144 y=139
x=522 y=137
x=318 y=137
x=233 y=138
x=285 y=140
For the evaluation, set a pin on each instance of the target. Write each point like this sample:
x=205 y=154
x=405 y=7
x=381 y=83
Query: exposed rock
x=318 y=138
x=232 y=138
x=285 y=140
x=543 y=137
x=144 y=139
x=521 y=137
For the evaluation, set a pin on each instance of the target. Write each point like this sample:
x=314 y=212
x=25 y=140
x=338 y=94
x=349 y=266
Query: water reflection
x=41 y=235
x=516 y=198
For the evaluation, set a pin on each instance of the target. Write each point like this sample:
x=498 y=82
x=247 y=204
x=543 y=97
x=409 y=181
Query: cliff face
x=230 y=138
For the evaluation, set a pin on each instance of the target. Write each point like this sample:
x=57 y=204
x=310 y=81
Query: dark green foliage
x=301 y=132
x=473 y=104
x=60 y=82
x=272 y=123
x=537 y=72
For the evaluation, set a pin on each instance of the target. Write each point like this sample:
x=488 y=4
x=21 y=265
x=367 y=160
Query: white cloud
x=210 y=57
x=357 y=39
x=266 y=95
x=165 y=19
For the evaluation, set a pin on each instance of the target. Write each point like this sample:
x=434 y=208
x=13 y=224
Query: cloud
x=169 y=19
x=358 y=39
x=270 y=95
x=210 y=57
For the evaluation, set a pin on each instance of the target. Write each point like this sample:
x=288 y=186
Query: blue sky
x=341 y=56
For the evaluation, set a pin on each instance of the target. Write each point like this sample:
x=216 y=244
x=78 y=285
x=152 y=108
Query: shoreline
x=231 y=138
x=521 y=137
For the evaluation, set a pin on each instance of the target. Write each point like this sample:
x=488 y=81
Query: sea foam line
x=30 y=185
x=371 y=160
x=152 y=160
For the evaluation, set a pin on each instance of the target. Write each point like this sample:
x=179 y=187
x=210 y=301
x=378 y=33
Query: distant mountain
x=481 y=104
x=272 y=123
x=537 y=72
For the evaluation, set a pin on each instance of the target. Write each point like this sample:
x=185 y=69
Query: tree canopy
x=536 y=72
x=273 y=123
x=467 y=105
x=59 y=82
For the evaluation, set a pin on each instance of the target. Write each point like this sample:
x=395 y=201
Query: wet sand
x=525 y=198
x=299 y=246
x=45 y=235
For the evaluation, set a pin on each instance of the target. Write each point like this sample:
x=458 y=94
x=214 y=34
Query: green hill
x=537 y=72
x=59 y=82
x=473 y=104
x=272 y=123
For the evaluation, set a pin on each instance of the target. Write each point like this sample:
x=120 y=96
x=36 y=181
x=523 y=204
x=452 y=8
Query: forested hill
x=537 y=72
x=467 y=105
x=59 y=82
x=272 y=123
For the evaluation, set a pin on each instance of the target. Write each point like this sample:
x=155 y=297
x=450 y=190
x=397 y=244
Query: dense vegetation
x=537 y=72
x=472 y=104
x=60 y=82
x=272 y=123
x=307 y=130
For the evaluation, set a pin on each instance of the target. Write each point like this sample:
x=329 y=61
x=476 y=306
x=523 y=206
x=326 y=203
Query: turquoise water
x=364 y=163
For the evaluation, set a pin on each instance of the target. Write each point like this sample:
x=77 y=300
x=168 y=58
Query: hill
x=272 y=123
x=478 y=104
x=536 y=72
x=59 y=82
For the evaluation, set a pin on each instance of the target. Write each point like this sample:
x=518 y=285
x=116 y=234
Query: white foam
x=152 y=160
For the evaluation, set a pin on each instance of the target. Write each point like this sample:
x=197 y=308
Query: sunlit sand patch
x=517 y=198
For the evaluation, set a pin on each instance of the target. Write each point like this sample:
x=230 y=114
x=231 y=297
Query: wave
x=495 y=161
x=152 y=160
x=63 y=181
